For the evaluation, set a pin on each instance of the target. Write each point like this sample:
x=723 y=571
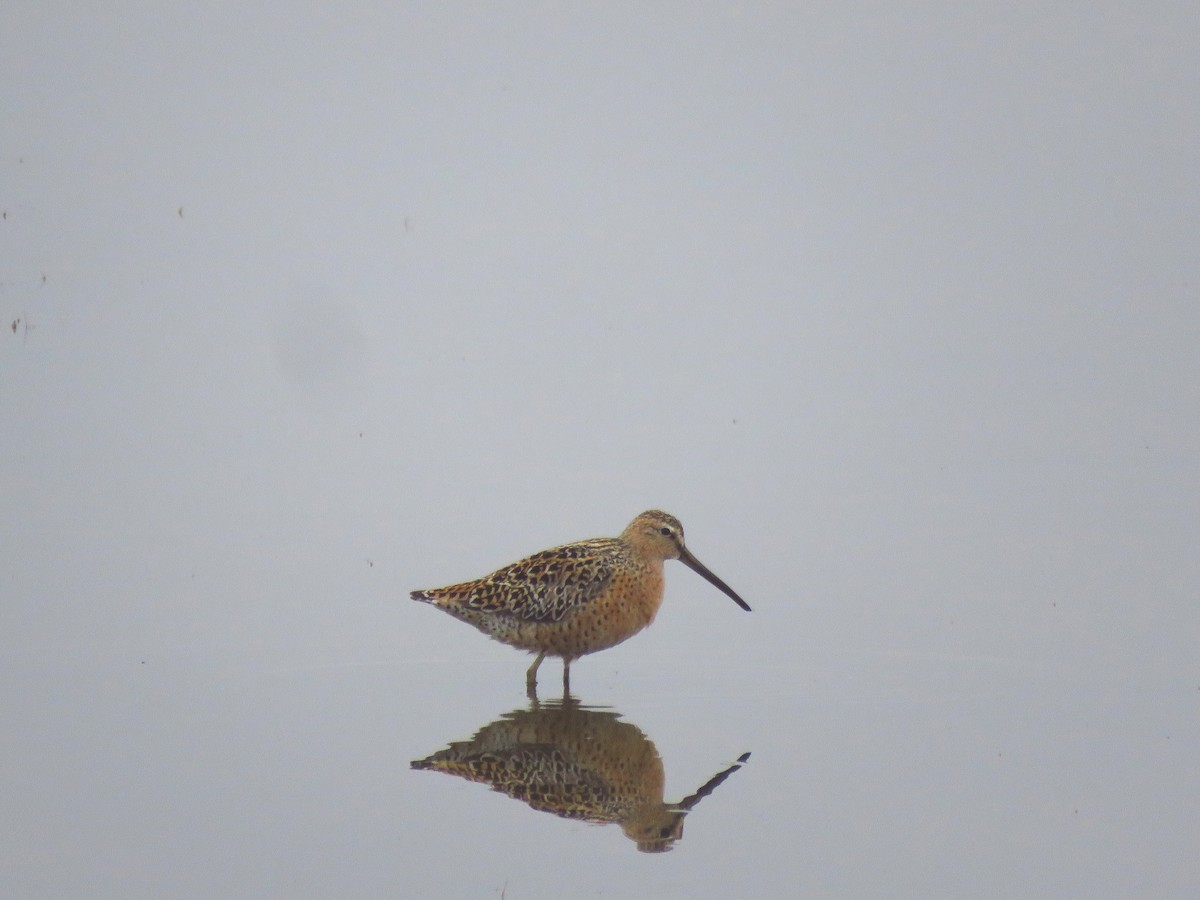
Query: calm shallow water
x=283 y=760
x=897 y=313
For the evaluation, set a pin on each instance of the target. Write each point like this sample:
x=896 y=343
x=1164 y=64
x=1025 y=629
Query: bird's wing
x=548 y=585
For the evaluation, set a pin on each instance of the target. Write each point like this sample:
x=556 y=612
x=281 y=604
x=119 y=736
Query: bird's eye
x=665 y=531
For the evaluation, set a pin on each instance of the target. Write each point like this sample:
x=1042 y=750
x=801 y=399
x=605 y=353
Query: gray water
x=894 y=308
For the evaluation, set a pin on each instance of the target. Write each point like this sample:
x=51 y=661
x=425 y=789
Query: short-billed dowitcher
x=578 y=598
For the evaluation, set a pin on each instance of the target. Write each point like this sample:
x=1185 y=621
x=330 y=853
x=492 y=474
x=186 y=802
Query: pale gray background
x=894 y=305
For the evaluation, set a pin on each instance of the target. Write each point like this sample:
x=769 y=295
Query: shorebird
x=576 y=599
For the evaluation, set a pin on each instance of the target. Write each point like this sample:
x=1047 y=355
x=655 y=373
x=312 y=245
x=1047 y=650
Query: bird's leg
x=566 y=676
x=531 y=676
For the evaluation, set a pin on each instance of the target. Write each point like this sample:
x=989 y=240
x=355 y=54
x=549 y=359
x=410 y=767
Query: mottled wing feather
x=546 y=586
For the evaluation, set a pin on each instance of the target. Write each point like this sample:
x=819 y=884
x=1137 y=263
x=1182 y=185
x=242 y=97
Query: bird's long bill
x=699 y=568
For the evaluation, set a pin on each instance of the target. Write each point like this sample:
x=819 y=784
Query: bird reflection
x=578 y=763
